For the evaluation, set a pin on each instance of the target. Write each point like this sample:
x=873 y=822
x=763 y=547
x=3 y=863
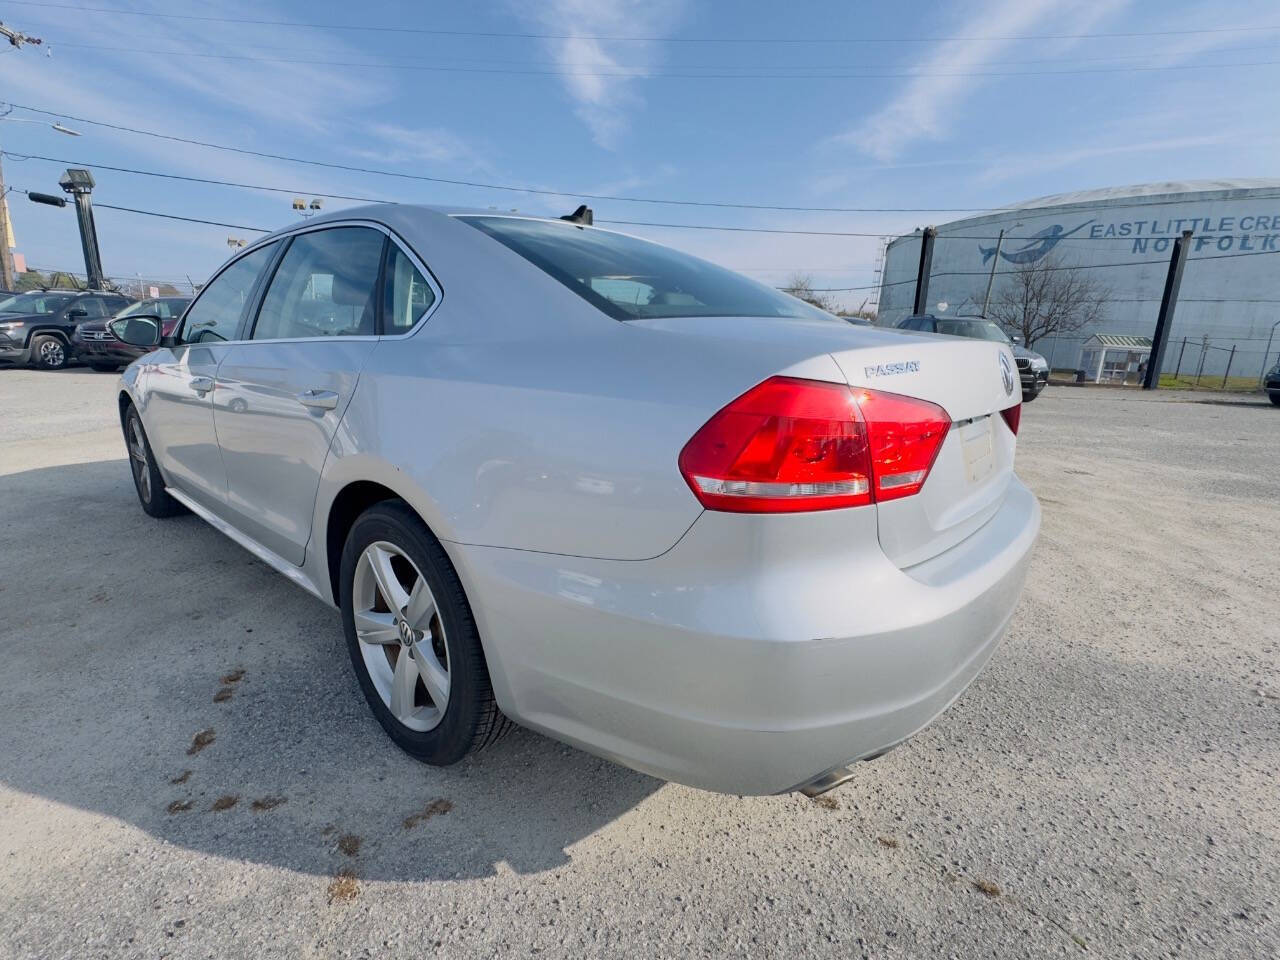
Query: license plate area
x=978 y=447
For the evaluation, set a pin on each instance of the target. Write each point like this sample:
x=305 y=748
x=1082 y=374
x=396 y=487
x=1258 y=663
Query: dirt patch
x=986 y=887
x=225 y=802
x=266 y=803
x=890 y=842
x=200 y=741
x=826 y=802
x=349 y=844
x=435 y=808
x=183 y=777
x=179 y=806
x=235 y=676
x=222 y=695
x=344 y=887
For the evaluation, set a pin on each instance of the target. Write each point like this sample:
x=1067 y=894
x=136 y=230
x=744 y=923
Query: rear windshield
x=974 y=329
x=628 y=278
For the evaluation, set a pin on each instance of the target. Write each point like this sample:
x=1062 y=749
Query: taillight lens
x=1013 y=417
x=789 y=445
x=906 y=435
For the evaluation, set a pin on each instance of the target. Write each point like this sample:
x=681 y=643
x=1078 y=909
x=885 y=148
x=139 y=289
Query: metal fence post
x=926 y=265
x=1228 y=372
x=1204 y=349
x=1180 y=353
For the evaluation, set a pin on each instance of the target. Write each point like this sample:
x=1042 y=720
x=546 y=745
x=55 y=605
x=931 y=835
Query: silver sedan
x=557 y=475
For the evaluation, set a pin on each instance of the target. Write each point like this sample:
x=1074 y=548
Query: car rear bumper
x=719 y=666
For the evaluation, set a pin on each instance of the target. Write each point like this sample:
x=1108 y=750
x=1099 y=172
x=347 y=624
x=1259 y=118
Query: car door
x=176 y=385
x=283 y=390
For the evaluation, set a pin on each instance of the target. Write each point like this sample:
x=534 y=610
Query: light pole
x=995 y=262
x=7 y=279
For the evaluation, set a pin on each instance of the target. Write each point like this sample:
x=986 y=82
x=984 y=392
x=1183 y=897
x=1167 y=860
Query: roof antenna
x=581 y=216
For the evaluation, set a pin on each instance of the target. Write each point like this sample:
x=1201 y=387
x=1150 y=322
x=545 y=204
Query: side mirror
x=1016 y=338
x=77 y=313
x=139 y=331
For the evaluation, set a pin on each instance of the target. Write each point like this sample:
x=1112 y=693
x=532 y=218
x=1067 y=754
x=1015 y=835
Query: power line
x=170 y=216
x=483 y=185
x=644 y=74
x=513 y=35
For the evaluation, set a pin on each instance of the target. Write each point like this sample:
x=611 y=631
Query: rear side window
x=628 y=278
x=408 y=295
x=326 y=286
x=215 y=316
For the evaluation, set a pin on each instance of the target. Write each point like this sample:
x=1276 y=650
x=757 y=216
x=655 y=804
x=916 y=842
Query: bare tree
x=1046 y=297
x=801 y=286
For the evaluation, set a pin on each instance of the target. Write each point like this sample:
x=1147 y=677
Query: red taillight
x=906 y=435
x=1013 y=417
x=788 y=445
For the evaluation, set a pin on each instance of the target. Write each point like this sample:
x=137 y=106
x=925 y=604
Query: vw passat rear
x=561 y=476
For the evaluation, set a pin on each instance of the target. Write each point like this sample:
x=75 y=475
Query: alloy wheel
x=402 y=639
x=52 y=354
x=138 y=460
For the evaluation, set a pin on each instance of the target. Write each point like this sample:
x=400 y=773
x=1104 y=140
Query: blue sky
x=636 y=117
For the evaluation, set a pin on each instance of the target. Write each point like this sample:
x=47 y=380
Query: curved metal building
x=1230 y=296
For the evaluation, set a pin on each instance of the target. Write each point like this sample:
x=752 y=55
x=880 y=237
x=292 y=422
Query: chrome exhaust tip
x=827 y=781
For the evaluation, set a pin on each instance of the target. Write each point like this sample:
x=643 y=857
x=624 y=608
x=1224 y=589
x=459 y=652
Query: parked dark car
x=1033 y=369
x=96 y=345
x=36 y=327
x=1273 y=383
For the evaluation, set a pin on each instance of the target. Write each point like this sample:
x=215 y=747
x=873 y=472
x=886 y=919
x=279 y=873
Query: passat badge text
x=892 y=369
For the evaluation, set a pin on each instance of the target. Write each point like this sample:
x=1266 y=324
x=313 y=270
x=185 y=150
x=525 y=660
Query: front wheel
x=412 y=638
x=1275 y=398
x=104 y=367
x=155 y=500
x=1029 y=396
x=48 y=352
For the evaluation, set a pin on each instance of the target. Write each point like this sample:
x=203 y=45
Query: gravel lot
x=1107 y=788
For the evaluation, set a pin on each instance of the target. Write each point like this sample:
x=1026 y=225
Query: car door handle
x=201 y=384
x=318 y=399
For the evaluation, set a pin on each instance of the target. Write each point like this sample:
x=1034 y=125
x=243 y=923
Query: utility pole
x=1168 y=301
x=16 y=38
x=79 y=183
x=995 y=262
x=927 y=236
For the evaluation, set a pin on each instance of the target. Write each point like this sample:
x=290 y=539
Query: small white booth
x=1109 y=358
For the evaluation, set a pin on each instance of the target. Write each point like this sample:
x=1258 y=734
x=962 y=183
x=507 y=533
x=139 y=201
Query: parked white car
x=615 y=493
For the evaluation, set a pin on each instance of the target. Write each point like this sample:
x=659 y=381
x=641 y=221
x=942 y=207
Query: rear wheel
x=412 y=639
x=147 y=481
x=48 y=352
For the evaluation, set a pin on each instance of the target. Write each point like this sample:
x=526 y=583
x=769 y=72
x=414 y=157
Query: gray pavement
x=1107 y=788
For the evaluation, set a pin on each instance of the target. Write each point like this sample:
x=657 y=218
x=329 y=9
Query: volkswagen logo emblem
x=406 y=633
x=1006 y=374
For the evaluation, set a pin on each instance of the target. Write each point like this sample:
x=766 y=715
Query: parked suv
x=1033 y=369
x=36 y=327
x=96 y=345
x=1273 y=384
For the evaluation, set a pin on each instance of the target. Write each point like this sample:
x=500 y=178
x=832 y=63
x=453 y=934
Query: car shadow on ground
x=156 y=673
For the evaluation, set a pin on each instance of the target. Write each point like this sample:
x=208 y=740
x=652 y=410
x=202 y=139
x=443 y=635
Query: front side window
x=326 y=286
x=215 y=316
x=628 y=278
x=93 y=308
x=408 y=295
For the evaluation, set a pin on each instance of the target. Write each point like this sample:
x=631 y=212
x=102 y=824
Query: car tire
x=48 y=352
x=147 y=481
x=1028 y=397
x=400 y=675
x=104 y=367
x=1275 y=398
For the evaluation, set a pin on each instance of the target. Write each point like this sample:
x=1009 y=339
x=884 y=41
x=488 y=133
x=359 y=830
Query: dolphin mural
x=1037 y=245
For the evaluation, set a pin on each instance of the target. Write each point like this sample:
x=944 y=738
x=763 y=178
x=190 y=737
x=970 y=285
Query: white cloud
x=603 y=103
x=921 y=111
